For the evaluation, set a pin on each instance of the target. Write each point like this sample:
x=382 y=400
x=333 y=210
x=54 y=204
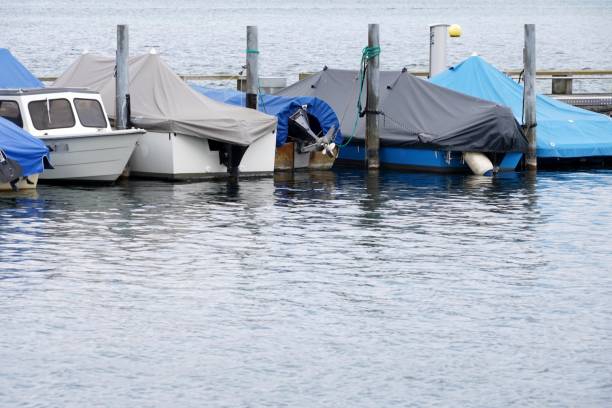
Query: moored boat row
x=176 y=133
x=181 y=131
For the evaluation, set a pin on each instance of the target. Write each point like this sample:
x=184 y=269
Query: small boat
x=22 y=157
x=307 y=133
x=422 y=126
x=566 y=135
x=189 y=136
x=74 y=126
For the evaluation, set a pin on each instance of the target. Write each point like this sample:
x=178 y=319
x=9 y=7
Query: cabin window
x=51 y=114
x=9 y=110
x=90 y=113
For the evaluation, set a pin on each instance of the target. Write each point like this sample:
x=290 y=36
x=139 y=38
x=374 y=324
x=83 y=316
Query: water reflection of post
x=232 y=188
x=372 y=201
x=530 y=180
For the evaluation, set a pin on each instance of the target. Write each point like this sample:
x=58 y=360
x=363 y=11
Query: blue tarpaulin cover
x=22 y=147
x=13 y=75
x=281 y=106
x=563 y=131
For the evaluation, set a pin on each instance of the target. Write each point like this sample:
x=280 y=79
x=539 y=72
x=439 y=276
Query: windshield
x=51 y=114
x=90 y=113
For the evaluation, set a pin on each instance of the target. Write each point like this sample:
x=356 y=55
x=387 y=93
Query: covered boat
x=13 y=75
x=22 y=157
x=292 y=144
x=422 y=126
x=188 y=134
x=564 y=132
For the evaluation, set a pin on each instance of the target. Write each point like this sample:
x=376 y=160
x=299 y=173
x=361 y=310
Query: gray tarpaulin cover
x=417 y=113
x=162 y=101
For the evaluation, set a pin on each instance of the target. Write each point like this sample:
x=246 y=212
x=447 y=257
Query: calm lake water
x=208 y=36
x=323 y=289
x=314 y=289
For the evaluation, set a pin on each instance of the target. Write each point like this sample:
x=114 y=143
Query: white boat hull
x=178 y=157
x=26 y=183
x=97 y=157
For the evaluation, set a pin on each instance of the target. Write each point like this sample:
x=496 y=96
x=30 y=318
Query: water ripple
x=327 y=288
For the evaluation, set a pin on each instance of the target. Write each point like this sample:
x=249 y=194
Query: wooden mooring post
x=372 y=101
x=122 y=77
x=529 y=97
x=235 y=152
x=252 y=68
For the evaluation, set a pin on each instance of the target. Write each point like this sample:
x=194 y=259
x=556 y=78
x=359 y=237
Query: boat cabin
x=54 y=112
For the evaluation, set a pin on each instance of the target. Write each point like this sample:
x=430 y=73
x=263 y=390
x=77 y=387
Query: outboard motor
x=307 y=140
x=10 y=171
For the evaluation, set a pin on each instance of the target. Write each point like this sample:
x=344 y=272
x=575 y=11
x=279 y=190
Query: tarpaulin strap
x=527 y=127
x=248 y=51
x=366 y=111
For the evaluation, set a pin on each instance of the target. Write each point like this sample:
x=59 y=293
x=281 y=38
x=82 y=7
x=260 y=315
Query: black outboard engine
x=307 y=140
x=10 y=171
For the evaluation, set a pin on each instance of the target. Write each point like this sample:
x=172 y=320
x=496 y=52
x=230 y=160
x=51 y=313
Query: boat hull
x=25 y=183
x=436 y=161
x=173 y=156
x=97 y=157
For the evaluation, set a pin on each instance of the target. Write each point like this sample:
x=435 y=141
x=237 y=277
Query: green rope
x=367 y=54
x=370 y=52
x=248 y=51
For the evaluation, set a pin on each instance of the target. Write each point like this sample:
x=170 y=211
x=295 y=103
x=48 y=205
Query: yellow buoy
x=454 y=30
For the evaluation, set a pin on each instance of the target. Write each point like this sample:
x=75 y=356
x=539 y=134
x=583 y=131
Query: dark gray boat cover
x=416 y=113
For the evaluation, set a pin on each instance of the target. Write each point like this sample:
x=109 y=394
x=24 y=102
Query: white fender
x=478 y=163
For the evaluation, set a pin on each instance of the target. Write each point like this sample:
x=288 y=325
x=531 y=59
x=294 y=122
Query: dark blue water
x=322 y=289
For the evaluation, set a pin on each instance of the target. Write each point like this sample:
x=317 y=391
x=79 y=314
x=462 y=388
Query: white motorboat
x=74 y=125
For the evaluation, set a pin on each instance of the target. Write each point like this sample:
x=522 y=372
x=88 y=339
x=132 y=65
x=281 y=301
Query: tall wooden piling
x=252 y=67
x=372 y=102
x=235 y=152
x=529 y=97
x=122 y=77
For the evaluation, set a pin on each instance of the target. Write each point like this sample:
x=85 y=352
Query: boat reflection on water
x=376 y=188
x=298 y=187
